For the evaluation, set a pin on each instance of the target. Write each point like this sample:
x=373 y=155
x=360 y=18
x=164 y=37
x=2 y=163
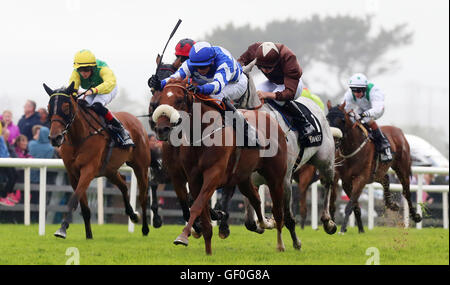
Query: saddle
x=316 y=138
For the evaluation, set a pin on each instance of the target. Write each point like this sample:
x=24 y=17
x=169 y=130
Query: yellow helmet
x=84 y=58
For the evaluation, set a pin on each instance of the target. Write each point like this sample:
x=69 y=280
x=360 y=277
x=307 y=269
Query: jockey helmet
x=358 y=80
x=183 y=47
x=267 y=55
x=201 y=54
x=84 y=58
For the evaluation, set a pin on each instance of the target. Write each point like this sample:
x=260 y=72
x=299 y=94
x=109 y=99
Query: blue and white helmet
x=201 y=54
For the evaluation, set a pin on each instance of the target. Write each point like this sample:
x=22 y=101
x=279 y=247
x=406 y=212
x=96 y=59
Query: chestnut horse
x=357 y=162
x=223 y=164
x=86 y=154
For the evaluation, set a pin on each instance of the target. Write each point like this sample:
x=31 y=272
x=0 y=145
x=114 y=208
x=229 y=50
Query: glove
x=193 y=88
x=154 y=82
x=365 y=114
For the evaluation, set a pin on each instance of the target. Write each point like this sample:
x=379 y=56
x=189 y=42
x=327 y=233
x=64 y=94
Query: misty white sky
x=39 y=38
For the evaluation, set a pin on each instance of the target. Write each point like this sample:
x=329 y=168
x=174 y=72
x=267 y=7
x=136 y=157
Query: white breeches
x=234 y=90
x=269 y=86
x=104 y=99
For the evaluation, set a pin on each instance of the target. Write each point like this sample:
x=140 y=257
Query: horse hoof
x=251 y=226
x=181 y=239
x=60 y=234
x=281 y=248
x=157 y=221
x=330 y=227
x=195 y=234
x=224 y=232
x=297 y=245
x=135 y=218
x=417 y=218
x=341 y=233
x=145 y=231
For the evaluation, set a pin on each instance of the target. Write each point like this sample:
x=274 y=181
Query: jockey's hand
x=364 y=114
x=89 y=93
x=193 y=88
x=264 y=94
x=154 y=82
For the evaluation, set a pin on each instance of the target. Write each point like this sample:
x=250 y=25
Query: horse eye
x=66 y=108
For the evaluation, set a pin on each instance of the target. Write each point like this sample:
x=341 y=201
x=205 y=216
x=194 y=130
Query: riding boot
x=305 y=129
x=250 y=134
x=122 y=134
x=382 y=145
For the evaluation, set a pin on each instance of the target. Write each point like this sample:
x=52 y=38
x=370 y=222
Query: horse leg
x=277 y=195
x=206 y=228
x=211 y=178
x=157 y=220
x=305 y=177
x=357 y=212
x=142 y=179
x=252 y=198
x=404 y=180
x=357 y=187
x=86 y=212
x=227 y=194
x=327 y=219
x=86 y=176
x=289 y=220
x=67 y=217
x=119 y=180
x=387 y=194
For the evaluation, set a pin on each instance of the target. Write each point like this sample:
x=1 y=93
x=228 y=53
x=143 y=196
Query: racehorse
x=87 y=153
x=208 y=167
x=321 y=157
x=357 y=162
x=170 y=168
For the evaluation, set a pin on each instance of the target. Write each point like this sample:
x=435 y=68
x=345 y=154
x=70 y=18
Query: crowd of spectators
x=27 y=139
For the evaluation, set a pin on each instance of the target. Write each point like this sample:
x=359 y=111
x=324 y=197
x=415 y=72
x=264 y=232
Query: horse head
x=61 y=112
x=169 y=102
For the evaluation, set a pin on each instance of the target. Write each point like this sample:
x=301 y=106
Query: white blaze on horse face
x=169 y=94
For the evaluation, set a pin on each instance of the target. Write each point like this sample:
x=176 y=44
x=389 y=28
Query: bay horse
x=357 y=162
x=207 y=168
x=87 y=153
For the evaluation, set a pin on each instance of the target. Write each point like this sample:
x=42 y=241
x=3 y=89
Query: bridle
x=366 y=140
x=65 y=124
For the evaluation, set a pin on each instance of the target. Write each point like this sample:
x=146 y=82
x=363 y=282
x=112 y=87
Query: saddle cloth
x=316 y=138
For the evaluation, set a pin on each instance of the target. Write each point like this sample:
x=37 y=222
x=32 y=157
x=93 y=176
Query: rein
x=367 y=139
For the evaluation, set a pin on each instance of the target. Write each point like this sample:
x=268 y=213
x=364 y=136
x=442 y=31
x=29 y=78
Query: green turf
x=113 y=244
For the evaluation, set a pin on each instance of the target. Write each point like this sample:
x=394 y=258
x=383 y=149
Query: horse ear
x=342 y=106
x=329 y=104
x=48 y=90
x=70 y=88
x=158 y=59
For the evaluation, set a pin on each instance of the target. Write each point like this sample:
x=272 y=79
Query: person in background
x=14 y=131
x=21 y=147
x=29 y=119
x=7 y=196
x=45 y=121
x=40 y=148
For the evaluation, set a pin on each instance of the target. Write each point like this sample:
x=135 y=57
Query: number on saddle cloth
x=316 y=138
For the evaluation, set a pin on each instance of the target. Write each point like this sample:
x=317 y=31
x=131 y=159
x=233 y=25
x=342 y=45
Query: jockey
x=284 y=84
x=98 y=79
x=367 y=100
x=218 y=75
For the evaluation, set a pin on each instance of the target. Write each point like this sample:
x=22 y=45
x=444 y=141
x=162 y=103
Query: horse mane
x=177 y=81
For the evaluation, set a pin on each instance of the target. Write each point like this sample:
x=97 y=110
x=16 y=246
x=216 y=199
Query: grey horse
x=322 y=157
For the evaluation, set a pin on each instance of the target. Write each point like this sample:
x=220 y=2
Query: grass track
x=113 y=244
